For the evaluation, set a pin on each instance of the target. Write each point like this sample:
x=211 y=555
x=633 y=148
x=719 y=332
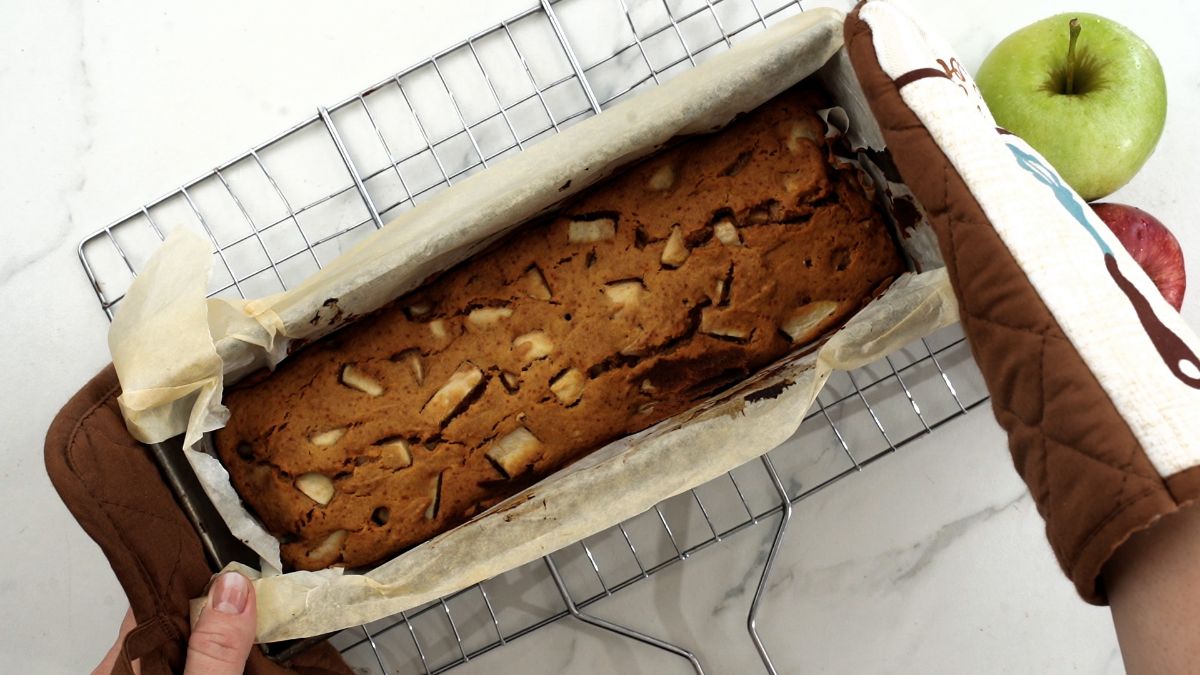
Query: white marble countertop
x=931 y=561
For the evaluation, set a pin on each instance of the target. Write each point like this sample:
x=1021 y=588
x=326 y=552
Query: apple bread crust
x=639 y=298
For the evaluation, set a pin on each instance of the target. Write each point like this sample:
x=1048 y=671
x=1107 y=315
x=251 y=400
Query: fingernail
x=229 y=593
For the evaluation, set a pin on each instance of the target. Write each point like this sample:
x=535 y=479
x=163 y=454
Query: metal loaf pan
x=220 y=546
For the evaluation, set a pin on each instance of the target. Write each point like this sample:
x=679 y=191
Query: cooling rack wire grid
x=279 y=211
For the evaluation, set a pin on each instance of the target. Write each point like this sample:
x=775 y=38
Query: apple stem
x=1075 y=29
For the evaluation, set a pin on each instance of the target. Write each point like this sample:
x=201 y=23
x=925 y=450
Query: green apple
x=1084 y=91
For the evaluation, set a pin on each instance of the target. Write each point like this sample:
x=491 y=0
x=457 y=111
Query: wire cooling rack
x=279 y=211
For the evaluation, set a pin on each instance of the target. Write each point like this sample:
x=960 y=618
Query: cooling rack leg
x=785 y=517
x=616 y=628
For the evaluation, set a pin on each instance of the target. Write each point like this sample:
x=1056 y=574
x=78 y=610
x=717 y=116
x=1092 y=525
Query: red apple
x=1151 y=244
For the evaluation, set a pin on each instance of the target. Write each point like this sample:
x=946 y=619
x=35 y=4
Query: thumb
x=222 y=637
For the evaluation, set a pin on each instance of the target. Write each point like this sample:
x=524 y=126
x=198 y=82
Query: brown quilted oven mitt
x=114 y=489
x=1094 y=376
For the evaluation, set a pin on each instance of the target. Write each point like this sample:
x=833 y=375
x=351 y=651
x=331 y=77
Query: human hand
x=222 y=638
x=223 y=635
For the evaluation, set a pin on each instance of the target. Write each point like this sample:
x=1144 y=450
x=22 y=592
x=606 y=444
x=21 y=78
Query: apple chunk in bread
x=726 y=233
x=395 y=453
x=806 y=323
x=662 y=178
x=514 y=452
x=325 y=439
x=590 y=231
x=446 y=400
x=323 y=553
x=437 y=328
x=511 y=381
x=316 y=486
x=356 y=379
x=435 y=498
x=418 y=310
x=484 y=317
x=568 y=387
x=625 y=295
x=535 y=284
x=798 y=130
x=714 y=322
x=412 y=358
x=532 y=346
x=676 y=252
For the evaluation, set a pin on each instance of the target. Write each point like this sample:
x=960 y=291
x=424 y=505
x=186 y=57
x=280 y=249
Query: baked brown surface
x=643 y=296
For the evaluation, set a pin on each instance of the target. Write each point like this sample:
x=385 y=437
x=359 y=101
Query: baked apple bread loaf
x=639 y=298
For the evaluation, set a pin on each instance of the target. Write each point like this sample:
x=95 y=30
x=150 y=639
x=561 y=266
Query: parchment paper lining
x=174 y=351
